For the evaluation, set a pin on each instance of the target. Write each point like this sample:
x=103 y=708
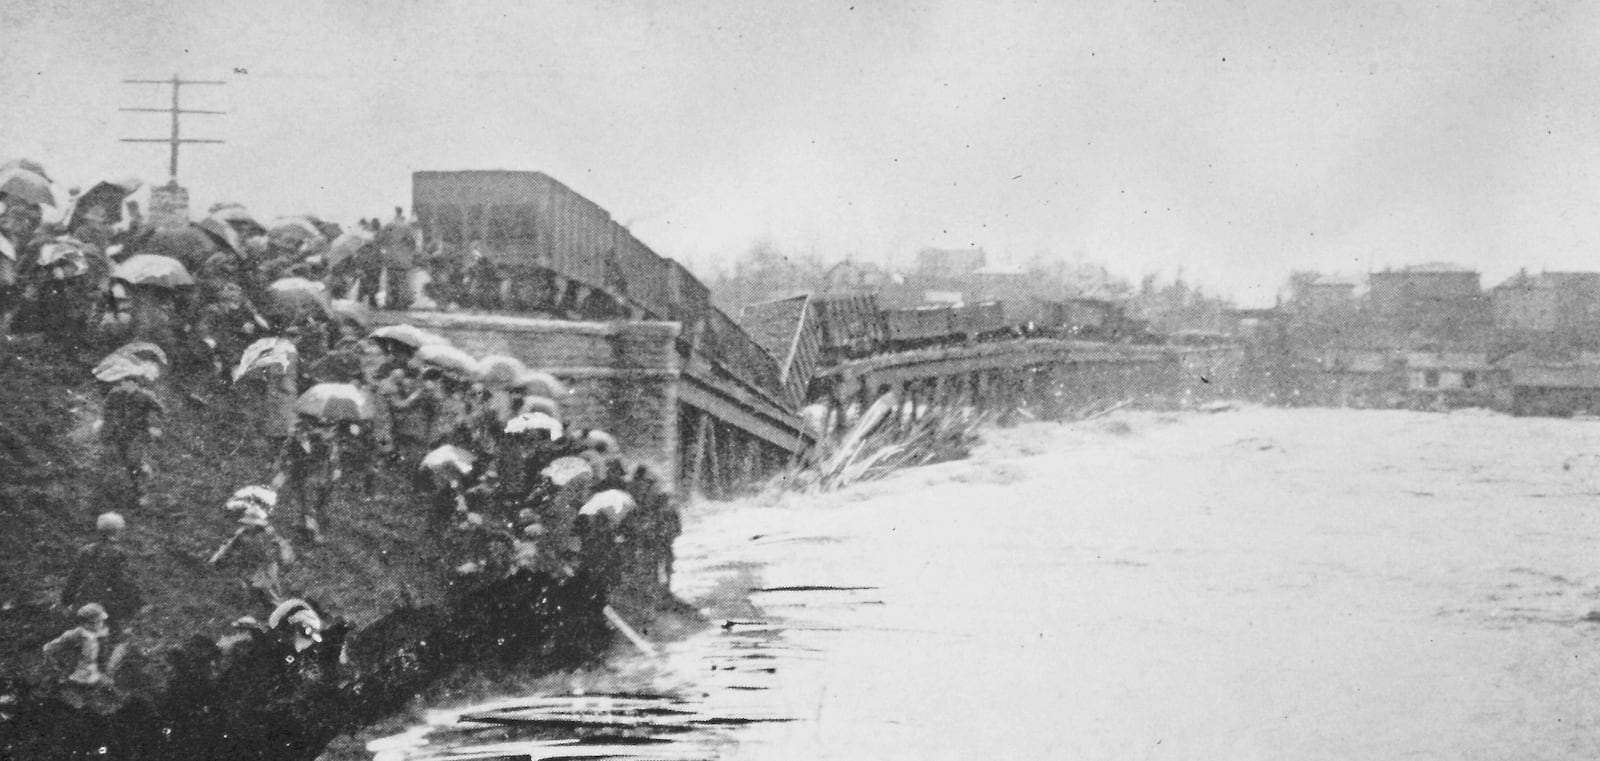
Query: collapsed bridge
x=704 y=402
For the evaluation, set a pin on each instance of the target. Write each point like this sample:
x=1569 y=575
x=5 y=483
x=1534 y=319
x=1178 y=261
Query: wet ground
x=1308 y=584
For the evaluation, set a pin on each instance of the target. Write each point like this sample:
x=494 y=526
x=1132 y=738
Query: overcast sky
x=1234 y=140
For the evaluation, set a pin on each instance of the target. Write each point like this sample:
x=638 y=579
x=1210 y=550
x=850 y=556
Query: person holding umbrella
x=306 y=471
x=256 y=545
x=63 y=288
x=413 y=401
x=312 y=460
x=153 y=284
x=130 y=417
x=223 y=326
x=267 y=375
x=96 y=213
x=444 y=484
x=456 y=371
x=22 y=194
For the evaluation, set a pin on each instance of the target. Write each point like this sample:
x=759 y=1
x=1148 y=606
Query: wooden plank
x=698 y=396
x=702 y=432
x=716 y=460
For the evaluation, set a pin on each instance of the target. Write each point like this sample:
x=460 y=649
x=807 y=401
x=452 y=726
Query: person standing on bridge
x=399 y=243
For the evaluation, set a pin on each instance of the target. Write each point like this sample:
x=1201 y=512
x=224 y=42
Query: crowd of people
x=508 y=486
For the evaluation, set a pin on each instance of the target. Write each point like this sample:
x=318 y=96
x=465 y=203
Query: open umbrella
x=536 y=423
x=448 y=456
x=336 y=402
x=300 y=286
x=116 y=367
x=562 y=470
x=28 y=186
x=291 y=298
x=612 y=503
x=293 y=610
x=187 y=244
x=542 y=404
x=221 y=233
x=346 y=246
x=294 y=228
x=266 y=353
x=110 y=194
x=449 y=359
x=541 y=383
x=142 y=350
x=64 y=257
x=28 y=164
x=410 y=335
x=239 y=218
x=329 y=230
x=602 y=442
x=500 y=370
x=351 y=313
x=127 y=183
x=262 y=497
x=154 y=270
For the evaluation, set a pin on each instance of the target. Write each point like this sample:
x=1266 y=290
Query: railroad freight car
x=989 y=319
x=852 y=325
x=933 y=325
x=555 y=253
x=1094 y=320
x=919 y=326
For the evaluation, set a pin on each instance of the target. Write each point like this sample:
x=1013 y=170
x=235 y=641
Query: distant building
x=942 y=263
x=1011 y=285
x=1399 y=292
x=1323 y=298
x=1364 y=378
x=851 y=276
x=1450 y=379
x=1434 y=300
x=1548 y=302
x=1555 y=389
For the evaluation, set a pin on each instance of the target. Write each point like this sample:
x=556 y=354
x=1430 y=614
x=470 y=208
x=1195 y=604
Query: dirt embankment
x=53 y=483
x=384 y=563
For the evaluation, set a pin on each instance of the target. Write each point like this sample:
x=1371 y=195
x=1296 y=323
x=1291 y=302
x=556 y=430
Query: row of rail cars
x=851 y=326
x=808 y=332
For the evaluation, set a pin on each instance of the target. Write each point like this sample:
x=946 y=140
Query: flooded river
x=1308 y=584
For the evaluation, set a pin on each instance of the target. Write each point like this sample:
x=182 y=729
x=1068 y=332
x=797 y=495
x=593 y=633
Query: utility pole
x=175 y=140
x=169 y=204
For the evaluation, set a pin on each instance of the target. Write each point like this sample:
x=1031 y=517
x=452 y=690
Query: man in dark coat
x=100 y=575
x=129 y=421
x=223 y=327
x=18 y=222
x=399 y=242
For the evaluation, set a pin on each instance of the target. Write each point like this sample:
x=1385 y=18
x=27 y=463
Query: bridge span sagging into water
x=708 y=432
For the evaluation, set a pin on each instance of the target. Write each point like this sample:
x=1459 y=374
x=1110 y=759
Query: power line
x=176 y=83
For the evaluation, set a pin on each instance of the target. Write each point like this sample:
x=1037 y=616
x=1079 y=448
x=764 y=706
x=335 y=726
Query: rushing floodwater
x=1253 y=584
